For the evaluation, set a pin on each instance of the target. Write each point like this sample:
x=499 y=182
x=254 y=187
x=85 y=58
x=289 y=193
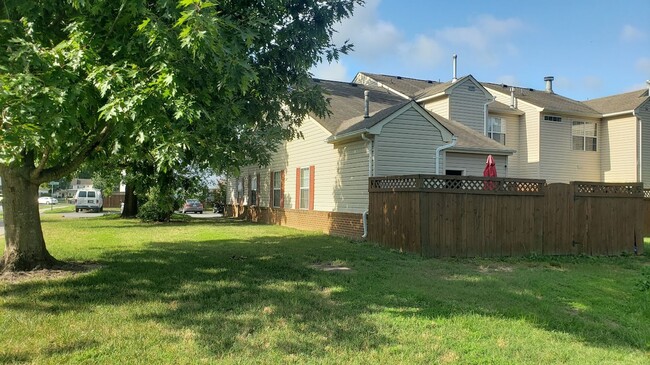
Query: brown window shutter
x=312 y=169
x=298 y=188
x=271 y=190
x=282 y=189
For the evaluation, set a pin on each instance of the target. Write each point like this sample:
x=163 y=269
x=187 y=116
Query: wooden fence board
x=603 y=219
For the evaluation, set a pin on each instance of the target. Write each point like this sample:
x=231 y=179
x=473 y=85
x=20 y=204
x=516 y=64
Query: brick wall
x=348 y=225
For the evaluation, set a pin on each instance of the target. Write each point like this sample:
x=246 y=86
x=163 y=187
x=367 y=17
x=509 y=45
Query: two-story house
x=384 y=125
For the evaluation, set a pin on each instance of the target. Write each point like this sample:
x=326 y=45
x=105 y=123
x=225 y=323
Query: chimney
x=512 y=97
x=366 y=108
x=648 y=83
x=549 y=84
x=455 y=64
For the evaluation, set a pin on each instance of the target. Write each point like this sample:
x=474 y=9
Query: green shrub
x=158 y=208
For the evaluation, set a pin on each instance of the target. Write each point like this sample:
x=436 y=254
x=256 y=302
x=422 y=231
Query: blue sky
x=593 y=48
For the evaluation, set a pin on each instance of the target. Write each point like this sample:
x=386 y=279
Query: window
x=584 y=136
x=304 y=188
x=240 y=190
x=552 y=118
x=497 y=129
x=277 y=179
x=253 y=190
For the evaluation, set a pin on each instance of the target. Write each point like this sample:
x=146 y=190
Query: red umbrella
x=490 y=170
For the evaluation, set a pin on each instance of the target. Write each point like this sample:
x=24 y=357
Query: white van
x=88 y=199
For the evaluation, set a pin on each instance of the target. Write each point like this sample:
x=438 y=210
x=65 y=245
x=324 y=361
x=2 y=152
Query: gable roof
x=470 y=140
x=404 y=85
x=347 y=101
x=548 y=101
x=619 y=103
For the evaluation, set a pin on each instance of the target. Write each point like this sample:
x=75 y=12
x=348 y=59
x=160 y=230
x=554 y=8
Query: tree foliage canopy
x=76 y=75
x=218 y=84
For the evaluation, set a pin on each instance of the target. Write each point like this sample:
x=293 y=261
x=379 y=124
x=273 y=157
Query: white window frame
x=277 y=187
x=304 y=190
x=583 y=135
x=492 y=133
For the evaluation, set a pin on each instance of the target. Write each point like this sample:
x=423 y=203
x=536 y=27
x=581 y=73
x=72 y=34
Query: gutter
x=485 y=114
x=618 y=114
x=342 y=137
x=454 y=140
x=430 y=97
x=371 y=158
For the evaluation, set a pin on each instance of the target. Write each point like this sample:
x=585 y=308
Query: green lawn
x=228 y=292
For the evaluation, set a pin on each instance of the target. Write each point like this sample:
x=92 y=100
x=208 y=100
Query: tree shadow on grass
x=231 y=293
x=223 y=291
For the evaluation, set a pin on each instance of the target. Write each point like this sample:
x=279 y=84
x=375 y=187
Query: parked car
x=90 y=199
x=192 y=205
x=47 y=200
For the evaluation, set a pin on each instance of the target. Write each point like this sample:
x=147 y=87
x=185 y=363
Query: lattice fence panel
x=603 y=189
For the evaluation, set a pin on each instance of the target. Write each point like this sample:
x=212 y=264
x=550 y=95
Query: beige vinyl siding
x=618 y=149
x=340 y=171
x=439 y=106
x=407 y=145
x=643 y=113
x=560 y=163
x=528 y=151
x=351 y=179
x=512 y=142
x=466 y=105
x=473 y=163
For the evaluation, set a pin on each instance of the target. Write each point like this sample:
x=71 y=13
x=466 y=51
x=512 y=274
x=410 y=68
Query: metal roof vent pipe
x=366 y=104
x=648 y=83
x=512 y=97
x=549 y=84
x=455 y=66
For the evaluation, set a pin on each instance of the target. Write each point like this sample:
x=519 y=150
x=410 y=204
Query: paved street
x=88 y=214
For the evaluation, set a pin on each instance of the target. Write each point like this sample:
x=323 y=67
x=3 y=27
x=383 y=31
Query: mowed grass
x=231 y=292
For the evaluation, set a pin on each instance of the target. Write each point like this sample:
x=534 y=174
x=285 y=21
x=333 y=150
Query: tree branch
x=56 y=172
x=41 y=163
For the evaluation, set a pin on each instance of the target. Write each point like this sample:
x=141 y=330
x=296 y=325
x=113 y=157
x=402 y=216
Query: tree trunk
x=24 y=243
x=130 y=202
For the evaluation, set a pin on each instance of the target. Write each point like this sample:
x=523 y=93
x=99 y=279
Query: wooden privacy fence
x=462 y=216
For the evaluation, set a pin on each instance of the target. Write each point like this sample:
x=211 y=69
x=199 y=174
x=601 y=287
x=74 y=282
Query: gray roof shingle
x=347 y=102
x=546 y=100
x=405 y=85
x=620 y=102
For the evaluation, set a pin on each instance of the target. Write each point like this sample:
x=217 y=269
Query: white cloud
x=485 y=41
x=486 y=38
x=424 y=52
x=630 y=33
x=330 y=71
x=643 y=65
x=372 y=37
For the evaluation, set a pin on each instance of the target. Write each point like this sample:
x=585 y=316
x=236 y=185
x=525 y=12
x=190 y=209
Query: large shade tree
x=219 y=83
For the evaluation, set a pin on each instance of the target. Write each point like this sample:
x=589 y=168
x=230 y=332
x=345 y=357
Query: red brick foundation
x=349 y=225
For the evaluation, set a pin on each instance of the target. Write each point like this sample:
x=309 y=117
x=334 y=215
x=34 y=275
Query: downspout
x=485 y=114
x=370 y=174
x=454 y=140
